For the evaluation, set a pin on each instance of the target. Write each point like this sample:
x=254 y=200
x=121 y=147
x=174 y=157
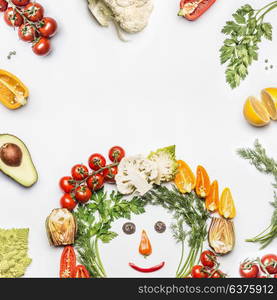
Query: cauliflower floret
x=166 y=162
x=136 y=173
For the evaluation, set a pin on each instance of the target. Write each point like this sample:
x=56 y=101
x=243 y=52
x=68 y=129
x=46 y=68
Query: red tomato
x=208 y=259
x=199 y=272
x=96 y=161
x=3 y=5
x=270 y=263
x=20 y=2
x=67 y=202
x=109 y=174
x=47 y=27
x=79 y=172
x=26 y=33
x=275 y=276
x=249 y=270
x=95 y=182
x=218 y=274
x=81 y=272
x=116 y=154
x=66 y=184
x=83 y=194
x=13 y=18
x=200 y=8
x=42 y=47
x=68 y=262
x=34 y=12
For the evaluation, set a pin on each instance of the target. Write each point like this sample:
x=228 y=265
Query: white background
x=165 y=86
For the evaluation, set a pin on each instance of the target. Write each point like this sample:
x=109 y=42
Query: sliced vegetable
x=68 y=263
x=160 y=227
x=226 y=206
x=13 y=93
x=193 y=9
x=147 y=270
x=145 y=247
x=184 y=179
x=202 y=182
x=212 y=200
x=81 y=272
x=129 y=228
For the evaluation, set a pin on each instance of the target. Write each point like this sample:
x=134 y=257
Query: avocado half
x=16 y=161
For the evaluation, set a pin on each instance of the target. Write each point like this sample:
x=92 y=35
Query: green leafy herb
x=189 y=212
x=264 y=164
x=95 y=220
x=244 y=33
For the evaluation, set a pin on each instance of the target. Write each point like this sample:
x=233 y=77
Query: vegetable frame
x=192 y=10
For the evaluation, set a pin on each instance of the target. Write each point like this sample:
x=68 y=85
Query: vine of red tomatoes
x=33 y=27
x=83 y=182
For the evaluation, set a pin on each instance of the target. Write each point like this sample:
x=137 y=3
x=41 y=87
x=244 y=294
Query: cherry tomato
x=42 y=47
x=68 y=262
x=81 y=272
x=26 y=33
x=275 y=276
x=208 y=259
x=270 y=263
x=96 y=161
x=83 y=194
x=79 y=172
x=20 y=2
x=116 y=154
x=95 y=182
x=67 y=202
x=109 y=174
x=218 y=274
x=66 y=184
x=34 y=12
x=13 y=18
x=47 y=27
x=3 y=5
x=199 y=272
x=249 y=270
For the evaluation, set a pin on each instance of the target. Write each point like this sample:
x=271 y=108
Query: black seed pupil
x=129 y=228
x=160 y=227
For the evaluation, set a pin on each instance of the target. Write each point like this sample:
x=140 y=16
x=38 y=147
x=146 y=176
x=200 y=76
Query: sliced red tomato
x=81 y=272
x=193 y=9
x=68 y=262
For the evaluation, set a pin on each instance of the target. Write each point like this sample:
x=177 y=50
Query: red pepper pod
x=147 y=270
x=193 y=9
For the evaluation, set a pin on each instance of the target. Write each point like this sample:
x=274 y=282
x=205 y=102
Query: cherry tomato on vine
x=96 y=161
x=3 y=5
x=95 y=182
x=116 y=154
x=47 y=27
x=270 y=263
x=199 y=271
x=12 y=17
x=67 y=202
x=26 y=33
x=249 y=270
x=83 y=194
x=208 y=259
x=109 y=174
x=42 y=47
x=218 y=274
x=34 y=12
x=79 y=172
x=20 y=2
x=66 y=184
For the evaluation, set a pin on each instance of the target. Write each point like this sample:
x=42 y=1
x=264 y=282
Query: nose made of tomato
x=145 y=247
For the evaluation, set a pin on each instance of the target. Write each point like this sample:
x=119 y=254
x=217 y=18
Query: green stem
x=267 y=11
x=181 y=260
x=98 y=258
x=266 y=6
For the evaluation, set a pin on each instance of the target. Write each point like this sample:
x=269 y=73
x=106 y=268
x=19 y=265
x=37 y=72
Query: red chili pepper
x=193 y=9
x=147 y=270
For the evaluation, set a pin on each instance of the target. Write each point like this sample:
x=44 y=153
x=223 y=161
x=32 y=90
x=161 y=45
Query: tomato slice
x=68 y=262
x=81 y=272
x=193 y=9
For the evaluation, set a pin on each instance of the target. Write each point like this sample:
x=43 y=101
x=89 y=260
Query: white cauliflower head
x=136 y=173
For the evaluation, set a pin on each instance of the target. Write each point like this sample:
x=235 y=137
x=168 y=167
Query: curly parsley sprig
x=244 y=33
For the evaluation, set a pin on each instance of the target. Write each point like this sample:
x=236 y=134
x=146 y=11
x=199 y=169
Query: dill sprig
x=266 y=165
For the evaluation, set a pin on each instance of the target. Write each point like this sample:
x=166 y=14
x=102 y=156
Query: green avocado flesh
x=21 y=169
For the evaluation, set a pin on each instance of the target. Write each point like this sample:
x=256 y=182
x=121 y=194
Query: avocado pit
x=11 y=155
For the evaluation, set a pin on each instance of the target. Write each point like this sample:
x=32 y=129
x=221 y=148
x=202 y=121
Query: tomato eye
x=160 y=227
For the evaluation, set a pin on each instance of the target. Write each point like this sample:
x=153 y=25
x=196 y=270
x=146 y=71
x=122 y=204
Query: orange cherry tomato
x=81 y=272
x=184 y=179
x=202 y=182
x=145 y=247
x=212 y=200
x=68 y=262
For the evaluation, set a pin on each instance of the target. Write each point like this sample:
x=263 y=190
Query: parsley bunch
x=244 y=33
x=95 y=220
x=264 y=164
